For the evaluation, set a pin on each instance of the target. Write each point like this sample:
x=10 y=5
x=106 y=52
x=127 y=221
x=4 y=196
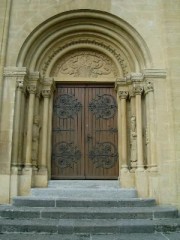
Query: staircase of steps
x=86 y=207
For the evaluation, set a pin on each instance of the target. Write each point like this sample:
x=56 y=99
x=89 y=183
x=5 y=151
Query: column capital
x=123 y=94
x=33 y=82
x=47 y=87
x=32 y=89
x=148 y=87
x=138 y=90
x=20 y=85
x=46 y=93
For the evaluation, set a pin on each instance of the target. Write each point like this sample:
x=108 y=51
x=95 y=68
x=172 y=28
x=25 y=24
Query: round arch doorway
x=82 y=46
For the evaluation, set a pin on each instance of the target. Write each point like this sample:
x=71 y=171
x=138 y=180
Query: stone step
x=89 y=193
x=95 y=226
x=83 y=202
x=95 y=184
x=89 y=213
x=117 y=236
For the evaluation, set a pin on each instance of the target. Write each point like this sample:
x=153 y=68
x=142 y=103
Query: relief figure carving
x=133 y=144
x=35 y=140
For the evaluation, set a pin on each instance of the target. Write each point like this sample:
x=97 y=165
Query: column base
x=127 y=179
x=154 y=185
x=14 y=182
x=40 y=178
x=25 y=181
x=153 y=168
x=140 y=168
x=141 y=183
x=4 y=188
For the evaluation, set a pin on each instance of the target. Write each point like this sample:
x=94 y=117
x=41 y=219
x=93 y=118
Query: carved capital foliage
x=138 y=90
x=33 y=82
x=123 y=94
x=47 y=87
x=31 y=89
x=148 y=87
x=21 y=85
x=46 y=93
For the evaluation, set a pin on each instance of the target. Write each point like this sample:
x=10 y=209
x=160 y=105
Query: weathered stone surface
x=138 y=36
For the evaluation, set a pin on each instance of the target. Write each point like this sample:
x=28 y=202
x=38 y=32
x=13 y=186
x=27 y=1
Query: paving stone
x=172 y=236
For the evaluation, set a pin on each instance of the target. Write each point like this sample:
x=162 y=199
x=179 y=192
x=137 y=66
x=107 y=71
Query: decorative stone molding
x=18 y=72
x=88 y=42
x=155 y=73
x=136 y=77
x=123 y=94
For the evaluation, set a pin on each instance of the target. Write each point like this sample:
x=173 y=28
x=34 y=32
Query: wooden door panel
x=101 y=150
x=68 y=133
x=84 y=132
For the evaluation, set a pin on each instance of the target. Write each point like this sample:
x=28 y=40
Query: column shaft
x=29 y=129
x=150 y=125
x=16 y=127
x=124 y=133
x=124 y=161
x=139 y=132
x=45 y=132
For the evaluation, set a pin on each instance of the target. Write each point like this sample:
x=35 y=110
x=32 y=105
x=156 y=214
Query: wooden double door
x=84 y=137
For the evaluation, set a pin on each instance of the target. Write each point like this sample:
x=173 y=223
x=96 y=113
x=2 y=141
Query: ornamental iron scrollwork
x=104 y=106
x=66 y=154
x=67 y=106
x=104 y=155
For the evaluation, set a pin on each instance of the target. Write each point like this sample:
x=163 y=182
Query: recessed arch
x=75 y=29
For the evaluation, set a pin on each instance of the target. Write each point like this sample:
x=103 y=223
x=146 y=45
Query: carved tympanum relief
x=85 y=63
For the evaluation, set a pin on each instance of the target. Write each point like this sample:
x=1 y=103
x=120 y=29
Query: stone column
x=47 y=89
x=36 y=131
x=150 y=130
x=17 y=120
x=123 y=96
x=22 y=128
x=138 y=92
x=46 y=95
x=32 y=91
x=133 y=134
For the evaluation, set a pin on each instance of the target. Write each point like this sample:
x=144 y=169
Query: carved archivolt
x=85 y=63
x=118 y=56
